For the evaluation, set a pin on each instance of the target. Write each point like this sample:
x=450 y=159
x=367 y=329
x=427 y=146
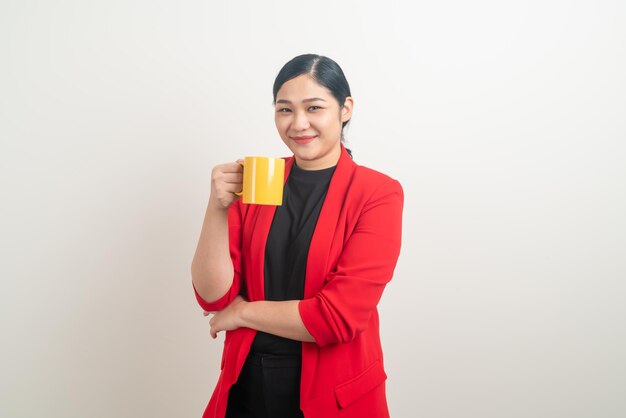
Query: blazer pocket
x=353 y=389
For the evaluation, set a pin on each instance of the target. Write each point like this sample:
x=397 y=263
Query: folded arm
x=277 y=318
x=343 y=307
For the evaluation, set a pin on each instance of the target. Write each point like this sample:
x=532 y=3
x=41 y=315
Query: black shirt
x=287 y=247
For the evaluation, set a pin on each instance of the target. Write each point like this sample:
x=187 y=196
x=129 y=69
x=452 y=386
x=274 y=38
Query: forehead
x=302 y=87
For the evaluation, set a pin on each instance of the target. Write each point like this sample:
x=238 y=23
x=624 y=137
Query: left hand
x=229 y=318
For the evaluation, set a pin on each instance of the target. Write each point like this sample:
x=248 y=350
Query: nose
x=300 y=122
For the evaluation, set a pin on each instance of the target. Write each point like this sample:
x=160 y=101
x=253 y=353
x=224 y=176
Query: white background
x=504 y=122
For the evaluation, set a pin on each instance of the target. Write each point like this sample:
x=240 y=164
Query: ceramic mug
x=263 y=180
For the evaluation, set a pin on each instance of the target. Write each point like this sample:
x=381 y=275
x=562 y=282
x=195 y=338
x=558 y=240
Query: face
x=309 y=119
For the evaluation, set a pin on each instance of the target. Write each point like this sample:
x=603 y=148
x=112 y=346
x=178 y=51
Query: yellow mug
x=263 y=180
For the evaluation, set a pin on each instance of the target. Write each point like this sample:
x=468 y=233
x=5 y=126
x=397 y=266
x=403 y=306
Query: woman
x=296 y=287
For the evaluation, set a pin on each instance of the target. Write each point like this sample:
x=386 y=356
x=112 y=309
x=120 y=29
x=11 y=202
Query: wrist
x=243 y=314
x=215 y=206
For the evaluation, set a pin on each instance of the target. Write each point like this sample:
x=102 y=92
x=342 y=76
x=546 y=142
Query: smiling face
x=309 y=120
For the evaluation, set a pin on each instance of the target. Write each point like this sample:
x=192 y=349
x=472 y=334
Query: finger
x=236 y=178
x=229 y=190
x=231 y=187
x=233 y=167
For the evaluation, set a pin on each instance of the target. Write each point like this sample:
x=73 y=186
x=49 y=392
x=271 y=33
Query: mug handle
x=241 y=192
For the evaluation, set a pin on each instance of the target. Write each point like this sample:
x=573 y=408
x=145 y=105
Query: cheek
x=281 y=124
x=330 y=120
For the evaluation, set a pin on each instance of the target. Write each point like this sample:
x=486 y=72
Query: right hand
x=226 y=180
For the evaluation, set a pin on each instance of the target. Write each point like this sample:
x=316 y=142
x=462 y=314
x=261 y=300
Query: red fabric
x=352 y=257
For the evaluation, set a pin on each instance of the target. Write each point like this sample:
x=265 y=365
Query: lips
x=304 y=139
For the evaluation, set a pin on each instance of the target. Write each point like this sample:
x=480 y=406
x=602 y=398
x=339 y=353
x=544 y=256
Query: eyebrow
x=312 y=99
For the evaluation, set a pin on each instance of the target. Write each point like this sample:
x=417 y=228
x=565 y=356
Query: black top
x=288 y=247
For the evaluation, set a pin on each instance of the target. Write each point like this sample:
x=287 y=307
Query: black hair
x=324 y=71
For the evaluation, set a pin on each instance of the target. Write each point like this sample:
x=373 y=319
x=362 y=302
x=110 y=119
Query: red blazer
x=352 y=256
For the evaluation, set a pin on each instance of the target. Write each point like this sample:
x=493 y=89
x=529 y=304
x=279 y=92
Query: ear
x=346 y=109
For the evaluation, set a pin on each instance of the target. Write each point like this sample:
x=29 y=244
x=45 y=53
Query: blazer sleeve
x=234 y=243
x=343 y=307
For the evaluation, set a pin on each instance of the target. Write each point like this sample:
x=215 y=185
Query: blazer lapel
x=325 y=230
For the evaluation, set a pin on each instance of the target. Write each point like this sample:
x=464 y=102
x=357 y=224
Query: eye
x=314 y=107
x=283 y=110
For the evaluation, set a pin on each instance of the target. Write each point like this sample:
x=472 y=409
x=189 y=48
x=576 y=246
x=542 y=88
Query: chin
x=305 y=156
x=304 y=152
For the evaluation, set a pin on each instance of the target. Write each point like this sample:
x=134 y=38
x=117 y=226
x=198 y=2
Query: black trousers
x=268 y=387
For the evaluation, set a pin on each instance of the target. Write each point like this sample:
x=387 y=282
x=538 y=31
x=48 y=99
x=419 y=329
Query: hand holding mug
x=226 y=181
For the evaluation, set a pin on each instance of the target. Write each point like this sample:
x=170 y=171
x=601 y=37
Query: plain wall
x=504 y=122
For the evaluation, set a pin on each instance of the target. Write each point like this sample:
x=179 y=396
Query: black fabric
x=268 y=387
x=287 y=247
